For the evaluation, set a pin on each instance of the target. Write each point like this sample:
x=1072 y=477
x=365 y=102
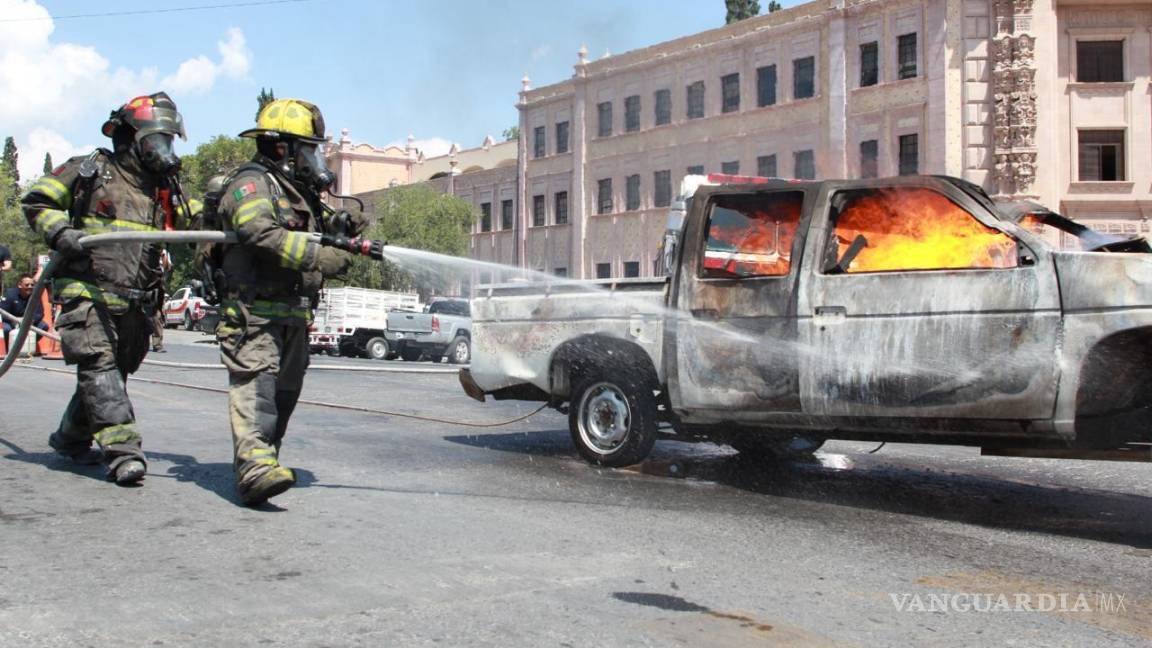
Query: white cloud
x=47 y=85
x=41 y=141
x=430 y=147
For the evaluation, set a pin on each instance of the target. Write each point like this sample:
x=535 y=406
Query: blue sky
x=447 y=69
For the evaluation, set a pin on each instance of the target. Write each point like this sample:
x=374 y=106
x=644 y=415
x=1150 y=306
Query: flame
x=745 y=241
x=919 y=229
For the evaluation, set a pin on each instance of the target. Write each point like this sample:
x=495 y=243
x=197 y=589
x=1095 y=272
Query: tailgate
x=409 y=322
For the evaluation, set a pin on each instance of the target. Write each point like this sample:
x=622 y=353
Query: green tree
x=48 y=163
x=741 y=9
x=218 y=156
x=25 y=244
x=421 y=218
x=263 y=99
x=10 y=171
x=774 y=6
x=511 y=133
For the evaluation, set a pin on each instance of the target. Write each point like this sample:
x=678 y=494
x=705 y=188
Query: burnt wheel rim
x=604 y=418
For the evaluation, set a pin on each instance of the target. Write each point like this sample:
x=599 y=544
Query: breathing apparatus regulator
x=149 y=125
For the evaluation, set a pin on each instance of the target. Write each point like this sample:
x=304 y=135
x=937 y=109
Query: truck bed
x=517 y=327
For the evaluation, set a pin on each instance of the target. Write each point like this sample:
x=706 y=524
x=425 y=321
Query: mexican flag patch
x=249 y=188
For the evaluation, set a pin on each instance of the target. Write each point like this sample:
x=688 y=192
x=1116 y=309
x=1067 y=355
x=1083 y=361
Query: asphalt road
x=410 y=533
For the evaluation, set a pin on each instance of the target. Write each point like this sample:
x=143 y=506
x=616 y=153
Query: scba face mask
x=157 y=154
x=309 y=168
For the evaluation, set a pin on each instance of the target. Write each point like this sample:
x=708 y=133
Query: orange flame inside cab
x=918 y=229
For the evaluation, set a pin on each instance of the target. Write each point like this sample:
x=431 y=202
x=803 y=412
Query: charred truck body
x=902 y=309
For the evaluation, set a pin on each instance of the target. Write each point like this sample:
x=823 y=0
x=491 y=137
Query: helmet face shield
x=309 y=168
x=157 y=154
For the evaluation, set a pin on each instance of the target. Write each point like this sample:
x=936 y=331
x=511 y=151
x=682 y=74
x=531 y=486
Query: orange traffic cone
x=47 y=347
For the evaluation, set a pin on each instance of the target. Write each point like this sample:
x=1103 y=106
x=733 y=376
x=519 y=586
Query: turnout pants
x=105 y=347
x=266 y=362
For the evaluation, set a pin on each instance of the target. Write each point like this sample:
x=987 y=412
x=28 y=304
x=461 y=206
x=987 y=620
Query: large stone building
x=1042 y=99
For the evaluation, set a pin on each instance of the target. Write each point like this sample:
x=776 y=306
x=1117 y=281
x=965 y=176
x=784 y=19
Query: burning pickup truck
x=903 y=309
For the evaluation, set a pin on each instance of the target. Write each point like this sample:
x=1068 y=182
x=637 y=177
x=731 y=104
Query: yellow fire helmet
x=289 y=119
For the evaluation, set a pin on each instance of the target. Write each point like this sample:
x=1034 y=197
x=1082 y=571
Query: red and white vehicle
x=184 y=308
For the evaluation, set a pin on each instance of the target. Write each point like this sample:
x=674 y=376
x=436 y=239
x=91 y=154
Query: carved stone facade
x=1014 y=99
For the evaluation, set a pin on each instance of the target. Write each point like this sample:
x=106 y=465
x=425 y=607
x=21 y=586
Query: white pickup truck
x=353 y=321
x=903 y=309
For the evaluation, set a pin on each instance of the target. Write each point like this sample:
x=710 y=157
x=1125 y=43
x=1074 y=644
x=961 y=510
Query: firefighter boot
x=80 y=455
x=269 y=484
x=127 y=472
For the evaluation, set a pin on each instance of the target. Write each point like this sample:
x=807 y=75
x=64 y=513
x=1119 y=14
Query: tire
x=612 y=417
x=411 y=354
x=459 y=350
x=756 y=445
x=376 y=348
x=188 y=323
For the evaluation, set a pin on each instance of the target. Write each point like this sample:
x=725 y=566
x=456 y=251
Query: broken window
x=750 y=235
x=1101 y=155
x=1099 y=61
x=910 y=228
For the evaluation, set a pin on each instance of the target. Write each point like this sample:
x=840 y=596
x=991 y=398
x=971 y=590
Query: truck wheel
x=411 y=354
x=756 y=445
x=612 y=419
x=459 y=350
x=376 y=348
x=188 y=324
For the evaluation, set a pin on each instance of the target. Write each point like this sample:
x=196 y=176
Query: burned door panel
x=938 y=315
x=735 y=329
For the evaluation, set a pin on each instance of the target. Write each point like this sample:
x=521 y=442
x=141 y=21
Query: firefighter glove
x=67 y=242
x=332 y=262
x=350 y=223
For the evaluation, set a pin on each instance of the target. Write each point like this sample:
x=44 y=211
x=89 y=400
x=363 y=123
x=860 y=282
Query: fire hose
x=364 y=247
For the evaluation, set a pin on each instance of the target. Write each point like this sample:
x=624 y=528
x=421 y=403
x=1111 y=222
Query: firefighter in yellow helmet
x=271 y=282
x=108 y=293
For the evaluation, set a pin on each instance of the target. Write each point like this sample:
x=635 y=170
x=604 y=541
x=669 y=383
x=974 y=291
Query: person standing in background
x=158 y=318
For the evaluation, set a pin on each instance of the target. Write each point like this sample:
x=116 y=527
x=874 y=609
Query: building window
x=632 y=113
x=604 y=196
x=906 y=53
x=1099 y=61
x=631 y=269
x=663 y=107
x=730 y=168
x=766 y=166
x=486 y=217
x=560 y=272
x=661 y=188
x=561 y=207
x=730 y=93
x=562 y=137
x=804 y=77
x=696 y=169
x=766 y=86
x=869 y=159
x=869 y=64
x=538 y=211
x=506 y=214
x=538 y=143
x=1102 y=156
x=632 y=192
x=909 y=154
x=604 y=119
x=696 y=100
x=603 y=270
x=804 y=163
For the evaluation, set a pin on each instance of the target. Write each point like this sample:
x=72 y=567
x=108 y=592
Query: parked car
x=907 y=309
x=444 y=329
x=352 y=321
x=181 y=308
